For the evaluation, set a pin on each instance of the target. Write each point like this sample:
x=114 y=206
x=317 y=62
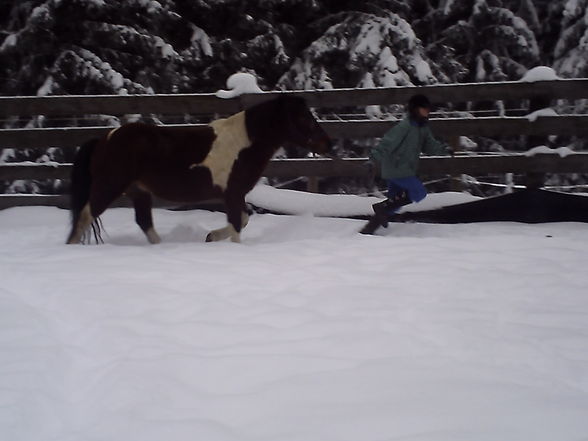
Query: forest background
x=56 y=47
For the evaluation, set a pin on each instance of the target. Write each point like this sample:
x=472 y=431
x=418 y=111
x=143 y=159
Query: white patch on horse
x=228 y=231
x=224 y=233
x=231 y=138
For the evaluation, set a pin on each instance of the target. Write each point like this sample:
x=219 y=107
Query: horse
x=221 y=160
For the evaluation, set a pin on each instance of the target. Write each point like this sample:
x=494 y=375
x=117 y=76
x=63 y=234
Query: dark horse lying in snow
x=224 y=159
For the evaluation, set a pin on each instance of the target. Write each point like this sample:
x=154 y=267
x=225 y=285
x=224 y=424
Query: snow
x=370 y=38
x=10 y=41
x=466 y=143
x=201 y=38
x=94 y=68
x=307 y=331
x=448 y=6
x=540 y=73
x=548 y=111
x=47 y=87
x=526 y=36
x=374 y=112
x=423 y=69
x=239 y=84
x=40 y=13
x=165 y=49
x=115 y=79
x=572 y=8
x=43 y=161
x=339 y=205
x=542 y=150
x=6 y=154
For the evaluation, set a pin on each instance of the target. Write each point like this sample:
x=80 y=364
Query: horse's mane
x=272 y=112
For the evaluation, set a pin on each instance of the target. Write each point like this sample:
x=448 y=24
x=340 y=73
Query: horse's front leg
x=237 y=218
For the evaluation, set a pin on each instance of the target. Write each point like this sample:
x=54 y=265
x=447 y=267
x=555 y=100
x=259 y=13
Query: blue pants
x=412 y=185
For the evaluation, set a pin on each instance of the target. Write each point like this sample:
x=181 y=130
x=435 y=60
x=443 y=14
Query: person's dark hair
x=418 y=101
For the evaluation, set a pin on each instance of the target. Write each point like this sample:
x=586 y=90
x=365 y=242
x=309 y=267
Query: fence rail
x=356 y=167
x=209 y=104
x=445 y=127
x=195 y=104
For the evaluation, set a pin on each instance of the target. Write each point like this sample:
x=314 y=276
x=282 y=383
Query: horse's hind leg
x=81 y=224
x=98 y=203
x=143 y=204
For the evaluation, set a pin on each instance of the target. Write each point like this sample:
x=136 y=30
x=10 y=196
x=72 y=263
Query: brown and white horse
x=224 y=159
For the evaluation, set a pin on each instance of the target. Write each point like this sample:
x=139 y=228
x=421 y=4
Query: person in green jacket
x=398 y=155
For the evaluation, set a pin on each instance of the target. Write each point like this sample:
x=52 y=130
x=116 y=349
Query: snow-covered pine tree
x=571 y=50
x=99 y=46
x=571 y=54
x=361 y=49
x=95 y=47
x=437 y=27
x=528 y=12
x=257 y=36
x=549 y=14
x=490 y=42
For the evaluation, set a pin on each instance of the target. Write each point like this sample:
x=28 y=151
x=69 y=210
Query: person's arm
x=389 y=143
x=433 y=147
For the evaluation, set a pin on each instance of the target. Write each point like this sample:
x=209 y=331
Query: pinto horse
x=224 y=159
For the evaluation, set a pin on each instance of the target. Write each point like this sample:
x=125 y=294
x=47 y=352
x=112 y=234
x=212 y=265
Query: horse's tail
x=81 y=181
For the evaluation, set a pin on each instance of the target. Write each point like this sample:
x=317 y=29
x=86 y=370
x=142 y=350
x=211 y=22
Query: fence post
x=312 y=184
x=534 y=180
x=456 y=183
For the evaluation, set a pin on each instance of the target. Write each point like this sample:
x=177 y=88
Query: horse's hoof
x=153 y=237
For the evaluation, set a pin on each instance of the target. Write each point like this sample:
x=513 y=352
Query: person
x=397 y=155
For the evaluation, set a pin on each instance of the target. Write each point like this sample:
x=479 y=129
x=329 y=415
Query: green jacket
x=399 y=150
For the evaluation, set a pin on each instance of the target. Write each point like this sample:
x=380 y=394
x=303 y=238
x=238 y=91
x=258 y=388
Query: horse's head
x=302 y=128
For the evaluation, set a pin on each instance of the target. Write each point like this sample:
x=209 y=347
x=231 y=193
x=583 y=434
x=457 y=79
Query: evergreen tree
x=571 y=50
x=484 y=40
x=361 y=50
x=99 y=47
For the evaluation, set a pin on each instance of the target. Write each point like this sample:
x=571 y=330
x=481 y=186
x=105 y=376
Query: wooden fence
x=542 y=92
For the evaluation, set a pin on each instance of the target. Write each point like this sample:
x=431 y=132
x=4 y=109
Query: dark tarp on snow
x=529 y=206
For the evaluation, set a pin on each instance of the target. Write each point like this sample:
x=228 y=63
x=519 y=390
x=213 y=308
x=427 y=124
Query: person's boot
x=389 y=206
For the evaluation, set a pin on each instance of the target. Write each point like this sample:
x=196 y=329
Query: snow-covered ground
x=307 y=331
